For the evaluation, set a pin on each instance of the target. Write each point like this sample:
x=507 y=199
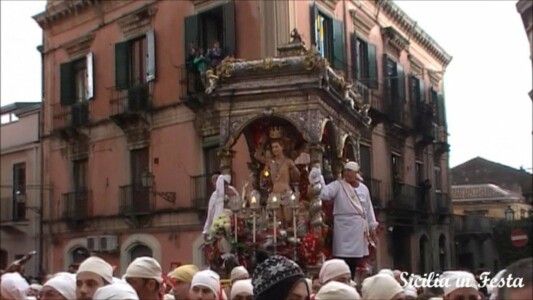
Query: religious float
x=291 y=112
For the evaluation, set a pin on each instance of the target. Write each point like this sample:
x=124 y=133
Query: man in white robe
x=216 y=201
x=354 y=221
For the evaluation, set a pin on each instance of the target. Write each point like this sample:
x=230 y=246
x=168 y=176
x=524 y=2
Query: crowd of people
x=273 y=278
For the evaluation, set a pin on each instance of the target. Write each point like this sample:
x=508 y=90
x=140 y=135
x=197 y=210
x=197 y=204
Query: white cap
x=241 y=286
x=333 y=268
x=144 y=267
x=334 y=290
x=36 y=286
x=387 y=272
x=13 y=286
x=97 y=266
x=239 y=272
x=208 y=279
x=64 y=283
x=410 y=290
x=116 y=291
x=457 y=279
x=380 y=287
x=352 y=165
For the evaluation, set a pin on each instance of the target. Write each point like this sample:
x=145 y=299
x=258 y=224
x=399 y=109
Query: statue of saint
x=280 y=169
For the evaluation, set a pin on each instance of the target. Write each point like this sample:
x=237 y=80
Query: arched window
x=3 y=259
x=442 y=252
x=79 y=254
x=140 y=250
x=424 y=254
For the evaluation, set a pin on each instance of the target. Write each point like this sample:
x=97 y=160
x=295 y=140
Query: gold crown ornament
x=275 y=132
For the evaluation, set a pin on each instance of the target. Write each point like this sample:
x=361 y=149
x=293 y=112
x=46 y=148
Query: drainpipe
x=41 y=164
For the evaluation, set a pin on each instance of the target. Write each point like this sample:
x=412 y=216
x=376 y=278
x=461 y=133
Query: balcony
x=374 y=186
x=12 y=211
x=201 y=188
x=192 y=89
x=128 y=105
x=77 y=206
x=135 y=200
x=422 y=119
x=405 y=197
x=468 y=226
x=66 y=119
x=442 y=203
x=440 y=144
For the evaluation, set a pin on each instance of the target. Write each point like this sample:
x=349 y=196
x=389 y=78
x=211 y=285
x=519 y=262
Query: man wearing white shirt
x=353 y=214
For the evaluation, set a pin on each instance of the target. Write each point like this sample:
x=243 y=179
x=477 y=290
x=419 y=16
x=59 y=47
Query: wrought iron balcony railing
x=12 y=210
x=442 y=203
x=133 y=100
x=77 y=205
x=472 y=224
x=405 y=197
x=135 y=200
x=70 y=116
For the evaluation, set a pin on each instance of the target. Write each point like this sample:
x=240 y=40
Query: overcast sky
x=488 y=110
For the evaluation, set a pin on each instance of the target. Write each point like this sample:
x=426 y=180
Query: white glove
x=314 y=175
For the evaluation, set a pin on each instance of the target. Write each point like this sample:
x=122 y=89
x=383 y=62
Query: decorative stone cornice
x=394 y=38
x=137 y=20
x=407 y=24
x=79 y=45
x=331 y=4
x=60 y=10
x=362 y=22
x=417 y=67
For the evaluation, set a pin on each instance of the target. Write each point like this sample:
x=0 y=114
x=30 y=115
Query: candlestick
x=275 y=234
x=253 y=222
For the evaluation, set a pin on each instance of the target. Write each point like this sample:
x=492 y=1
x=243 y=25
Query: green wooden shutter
x=442 y=112
x=386 y=80
x=122 y=65
x=191 y=34
x=313 y=13
x=229 y=28
x=422 y=91
x=67 y=84
x=355 y=57
x=401 y=83
x=338 y=44
x=150 y=56
x=372 y=67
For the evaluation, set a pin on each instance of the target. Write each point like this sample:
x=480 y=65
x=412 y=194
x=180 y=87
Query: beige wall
x=20 y=145
x=494 y=210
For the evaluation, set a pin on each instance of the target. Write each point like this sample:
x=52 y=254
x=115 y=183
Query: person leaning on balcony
x=92 y=274
x=354 y=220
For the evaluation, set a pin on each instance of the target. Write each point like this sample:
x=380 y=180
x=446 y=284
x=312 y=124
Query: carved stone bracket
x=207 y=122
x=80 y=45
x=138 y=20
x=395 y=39
x=138 y=137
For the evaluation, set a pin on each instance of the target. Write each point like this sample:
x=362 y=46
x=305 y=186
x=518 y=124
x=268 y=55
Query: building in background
x=20 y=199
x=481 y=171
x=525 y=9
x=133 y=127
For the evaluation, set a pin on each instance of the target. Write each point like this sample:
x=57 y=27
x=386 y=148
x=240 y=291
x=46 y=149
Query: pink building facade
x=130 y=134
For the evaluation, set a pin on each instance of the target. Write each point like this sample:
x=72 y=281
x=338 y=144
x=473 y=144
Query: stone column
x=315 y=151
x=226 y=158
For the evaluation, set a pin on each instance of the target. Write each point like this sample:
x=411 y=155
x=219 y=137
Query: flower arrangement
x=221 y=226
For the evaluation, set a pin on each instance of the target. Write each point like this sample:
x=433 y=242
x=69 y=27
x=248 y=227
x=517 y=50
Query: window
x=19 y=191
x=135 y=61
x=214 y=25
x=396 y=163
x=419 y=170
x=327 y=35
x=365 y=162
x=77 y=80
x=437 y=100
x=364 y=67
x=394 y=88
x=438 y=179
x=79 y=174
x=79 y=254
x=139 y=197
x=140 y=250
x=9 y=117
x=417 y=92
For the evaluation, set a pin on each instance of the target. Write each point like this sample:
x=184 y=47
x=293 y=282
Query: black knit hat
x=276 y=274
